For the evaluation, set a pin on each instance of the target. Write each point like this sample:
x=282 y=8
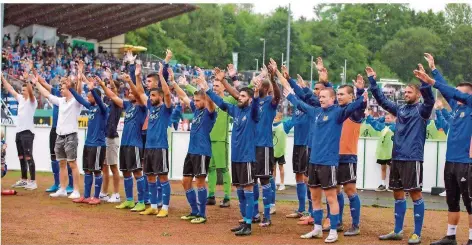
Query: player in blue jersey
x=457 y=155
x=156 y=155
x=324 y=156
x=52 y=139
x=198 y=156
x=95 y=147
x=303 y=137
x=406 y=171
x=131 y=147
x=264 y=143
x=245 y=116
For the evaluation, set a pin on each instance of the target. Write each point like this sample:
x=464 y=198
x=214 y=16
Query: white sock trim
x=452 y=229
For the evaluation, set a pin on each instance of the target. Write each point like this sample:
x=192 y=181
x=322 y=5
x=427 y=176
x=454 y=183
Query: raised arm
x=288 y=125
x=109 y=93
x=43 y=82
x=9 y=88
x=142 y=100
x=376 y=124
x=210 y=105
x=232 y=73
x=351 y=108
x=308 y=109
x=99 y=101
x=79 y=99
x=275 y=87
x=378 y=95
x=181 y=93
x=446 y=114
x=426 y=107
x=229 y=108
x=454 y=93
x=165 y=88
x=46 y=94
x=255 y=102
x=439 y=78
x=440 y=121
x=139 y=84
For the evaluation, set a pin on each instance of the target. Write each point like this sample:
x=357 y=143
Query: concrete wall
x=368 y=171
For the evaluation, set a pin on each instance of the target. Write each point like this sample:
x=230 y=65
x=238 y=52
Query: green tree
x=405 y=51
x=458 y=14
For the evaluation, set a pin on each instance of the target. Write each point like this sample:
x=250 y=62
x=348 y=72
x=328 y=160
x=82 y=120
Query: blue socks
x=310 y=203
x=159 y=191
x=140 y=187
x=341 y=207
x=301 y=193
x=88 y=180
x=400 y=209
x=355 y=205
x=192 y=200
x=55 y=170
x=98 y=185
x=146 y=189
x=256 y=200
x=418 y=211
x=266 y=199
x=242 y=202
x=71 y=179
x=317 y=216
x=153 y=192
x=165 y=193
x=202 y=196
x=334 y=221
x=249 y=195
x=273 y=187
x=129 y=188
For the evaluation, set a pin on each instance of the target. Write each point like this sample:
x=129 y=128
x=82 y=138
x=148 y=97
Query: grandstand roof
x=92 y=21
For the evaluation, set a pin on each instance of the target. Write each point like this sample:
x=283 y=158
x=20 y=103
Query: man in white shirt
x=24 y=137
x=67 y=141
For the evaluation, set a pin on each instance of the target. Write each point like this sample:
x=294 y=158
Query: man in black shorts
x=245 y=116
x=27 y=104
x=457 y=167
x=406 y=172
x=95 y=146
x=198 y=157
x=264 y=143
x=156 y=152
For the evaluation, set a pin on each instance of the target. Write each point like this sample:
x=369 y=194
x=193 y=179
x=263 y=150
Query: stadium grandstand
x=55 y=35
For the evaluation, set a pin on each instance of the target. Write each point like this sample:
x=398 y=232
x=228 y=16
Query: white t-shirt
x=26 y=110
x=68 y=116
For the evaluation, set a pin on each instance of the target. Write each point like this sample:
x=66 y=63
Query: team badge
x=325 y=118
x=244 y=118
x=462 y=114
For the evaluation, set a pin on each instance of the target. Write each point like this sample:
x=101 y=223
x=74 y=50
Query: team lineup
x=326 y=122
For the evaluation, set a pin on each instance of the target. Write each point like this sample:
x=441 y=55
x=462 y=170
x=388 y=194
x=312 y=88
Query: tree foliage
x=390 y=37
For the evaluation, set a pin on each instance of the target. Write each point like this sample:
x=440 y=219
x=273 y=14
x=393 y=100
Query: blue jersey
x=267 y=112
x=460 y=122
x=55 y=108
x=328 y=123
x=301 y=128
x=410 y=135
x=97 y=119
x=134 y=119
x=243 y=147
x=159 y=119
x=202 y=123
